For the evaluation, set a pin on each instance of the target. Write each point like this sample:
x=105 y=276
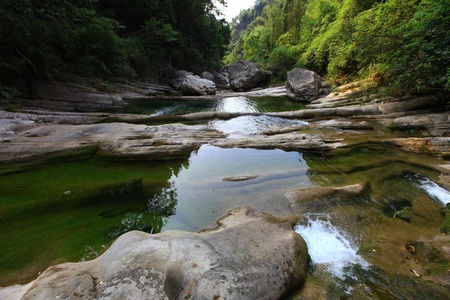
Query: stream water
x=70 y=208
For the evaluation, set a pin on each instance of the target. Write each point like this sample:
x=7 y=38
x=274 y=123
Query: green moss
x=404 y=214
x=66 y=209
x=445 y=228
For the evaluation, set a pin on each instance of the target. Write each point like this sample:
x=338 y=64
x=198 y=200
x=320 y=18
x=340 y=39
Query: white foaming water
x=434 y=190
x=328 y=246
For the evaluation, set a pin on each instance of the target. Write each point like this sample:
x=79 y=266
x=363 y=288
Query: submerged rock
x=303 y=85
x=192 y=85
x=239 y=178
x=245 y=75
x=248 y=255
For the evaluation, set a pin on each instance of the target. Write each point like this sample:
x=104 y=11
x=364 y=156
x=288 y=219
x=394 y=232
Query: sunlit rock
x=247 y=255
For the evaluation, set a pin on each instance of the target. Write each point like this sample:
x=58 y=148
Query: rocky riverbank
x=269 y=260
x=342 y=124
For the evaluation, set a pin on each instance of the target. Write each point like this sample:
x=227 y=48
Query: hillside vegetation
x=402 y=44
x=42 y=39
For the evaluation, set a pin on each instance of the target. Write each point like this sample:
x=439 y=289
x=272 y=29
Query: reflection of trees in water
x=159 y=207
x=164 y=202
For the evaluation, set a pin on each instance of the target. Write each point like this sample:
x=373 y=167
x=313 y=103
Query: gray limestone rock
x=245 y=75
x=192 y=85
x=247 y=255
x=303 y=85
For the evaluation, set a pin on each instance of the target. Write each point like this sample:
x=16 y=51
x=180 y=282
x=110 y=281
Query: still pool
x=163 y=106
x=72 y=207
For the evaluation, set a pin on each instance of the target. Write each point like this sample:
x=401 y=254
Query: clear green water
x=72 y=208
x=174 y=106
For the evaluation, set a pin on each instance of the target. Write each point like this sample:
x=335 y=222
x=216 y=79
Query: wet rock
x=192 y=85
x=245 y=75
x=248 y=255
x=303 y=85
x=308 y=199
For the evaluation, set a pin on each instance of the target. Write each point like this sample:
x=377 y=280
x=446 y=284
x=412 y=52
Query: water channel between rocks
x=71 y=208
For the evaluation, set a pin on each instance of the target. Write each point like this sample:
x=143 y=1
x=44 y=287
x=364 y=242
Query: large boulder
x=245 y=75
x=222 y=80
x=303 y=85
x=192 y=85
x=207 y=75
x=248 y=255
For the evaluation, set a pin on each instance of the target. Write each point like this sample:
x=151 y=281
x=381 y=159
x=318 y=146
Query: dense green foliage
x=45 y=38
x=404 y=44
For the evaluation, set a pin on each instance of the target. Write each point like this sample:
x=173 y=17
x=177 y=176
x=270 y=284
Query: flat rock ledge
x=247 y=255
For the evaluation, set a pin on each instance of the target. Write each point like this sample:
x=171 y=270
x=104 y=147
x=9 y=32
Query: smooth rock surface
x=303 y=85
x=72 y=97
x=192 y=85
x=248 y=255
x=245 y=75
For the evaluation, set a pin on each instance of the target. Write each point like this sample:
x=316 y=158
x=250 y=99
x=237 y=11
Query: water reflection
x=236 y=105
x=251 y=125
x=155 y=107
x=203 y=196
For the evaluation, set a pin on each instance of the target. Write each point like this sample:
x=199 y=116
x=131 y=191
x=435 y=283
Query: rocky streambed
x=364 y=180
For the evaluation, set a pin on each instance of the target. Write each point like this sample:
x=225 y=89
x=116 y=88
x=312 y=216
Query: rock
x=116 y=139
x=303 y=85
x=221 y=80
x=239 y=178
x=438 y=145
x=277 y=91
x=192 y=85
x=286 y=141
x=402 y=105
x=311 y=194
x=245 y=75
x=436 y=123
x=321 y=198
x=72 y=97
x=248 y=255
x=207 y=75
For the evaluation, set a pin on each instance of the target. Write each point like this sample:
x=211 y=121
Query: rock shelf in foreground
x=248 y=255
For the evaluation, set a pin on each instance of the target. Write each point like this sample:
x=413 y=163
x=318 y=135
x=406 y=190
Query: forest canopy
x=44 y=38
x=404 y=44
